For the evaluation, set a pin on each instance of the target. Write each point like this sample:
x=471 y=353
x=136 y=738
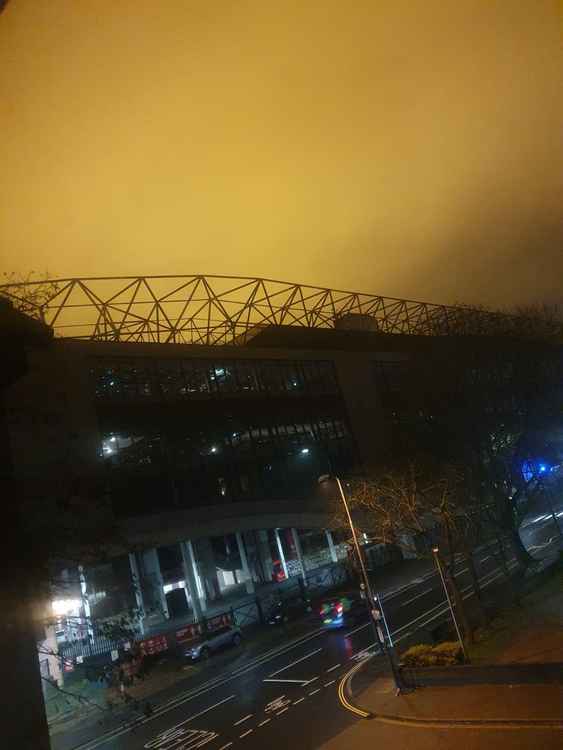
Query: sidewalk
x=516 y=705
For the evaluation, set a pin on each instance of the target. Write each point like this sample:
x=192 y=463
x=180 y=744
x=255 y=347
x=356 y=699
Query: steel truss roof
x=229 y=310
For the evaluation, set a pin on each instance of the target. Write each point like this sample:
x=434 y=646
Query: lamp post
x=436 y=553
x=373 y=613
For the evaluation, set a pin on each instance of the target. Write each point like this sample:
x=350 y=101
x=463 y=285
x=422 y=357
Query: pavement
x=462 y=705
x=284 y=697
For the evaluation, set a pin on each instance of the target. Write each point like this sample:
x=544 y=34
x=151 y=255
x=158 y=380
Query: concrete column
x=244 y=562
x=331 y=547
x=50 y=652
x=299 y=550
x=154 y=582
x=281 y=552
x=85 y=602
x=264 y=554
x=193 y=581
x=138 y=591
x=207 y=568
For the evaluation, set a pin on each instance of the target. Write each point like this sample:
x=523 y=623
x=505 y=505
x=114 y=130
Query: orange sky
x=400 y=147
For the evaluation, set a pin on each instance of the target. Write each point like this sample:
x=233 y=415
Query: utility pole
x=374 y=614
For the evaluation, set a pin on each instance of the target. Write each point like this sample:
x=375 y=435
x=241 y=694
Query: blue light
x=542 y=468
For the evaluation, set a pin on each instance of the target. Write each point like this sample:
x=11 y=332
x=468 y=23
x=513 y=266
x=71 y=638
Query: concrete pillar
x=193 y=581
x=331 y=547
x=281 y=552
x=207 y=568
x=138 y=591
x=85 y=602
x=244 y=562
x=299 y=550
x=264 y=554
x=154 y=585
x=50 y=652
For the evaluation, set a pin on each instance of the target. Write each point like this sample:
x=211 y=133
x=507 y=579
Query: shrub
x=432 y=656
x=415 y=655
x=448 y=653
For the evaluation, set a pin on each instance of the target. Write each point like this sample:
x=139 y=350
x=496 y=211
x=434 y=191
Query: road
x=285 y=698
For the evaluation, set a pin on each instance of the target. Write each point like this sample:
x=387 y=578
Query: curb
x=346 y=696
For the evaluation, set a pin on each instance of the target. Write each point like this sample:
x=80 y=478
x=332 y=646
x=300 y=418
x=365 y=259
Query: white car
x=228 y=635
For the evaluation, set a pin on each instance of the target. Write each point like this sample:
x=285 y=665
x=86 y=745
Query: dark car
x=343 y=610
x=211 y=642
x=288 y=609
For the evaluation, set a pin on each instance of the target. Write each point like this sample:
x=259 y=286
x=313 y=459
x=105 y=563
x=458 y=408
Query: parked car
x=343 y=610
x=229 y=635
x=288 y=609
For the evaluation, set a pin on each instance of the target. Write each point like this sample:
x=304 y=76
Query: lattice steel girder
x=227 y=309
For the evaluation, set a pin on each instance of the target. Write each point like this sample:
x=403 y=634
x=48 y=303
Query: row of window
x=231 y=444
x=254 y=462
x=176 y=379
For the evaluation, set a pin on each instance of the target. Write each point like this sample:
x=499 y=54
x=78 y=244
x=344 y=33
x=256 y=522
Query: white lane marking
x=327 y=684
x=413 y=598
x=205 y=687
x=297 y=661
x=245 y=734
x=216 y=682
x=364 y=652
x=171 y=730
x=213 y=736
x=486 y=558
x=186 y=739
x=318 y=690
x=361 y=627
x=491 y=576
x=313 y=679
x=333 y=668
x=279 y=713
x=276 y=704
x=300 y=700
x=300 y=682
x=224 y=747
x=266 y=721
x=244 y=718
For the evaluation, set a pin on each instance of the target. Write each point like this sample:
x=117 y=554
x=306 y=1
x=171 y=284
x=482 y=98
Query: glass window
x=170 y=378
x=195 y=377
x=246 y=376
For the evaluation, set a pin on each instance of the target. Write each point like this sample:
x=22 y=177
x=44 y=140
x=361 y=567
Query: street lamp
x=436 y=553
x=373 y=613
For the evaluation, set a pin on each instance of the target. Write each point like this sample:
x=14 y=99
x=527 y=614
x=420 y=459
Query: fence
x=89 y=647
x=251 y=613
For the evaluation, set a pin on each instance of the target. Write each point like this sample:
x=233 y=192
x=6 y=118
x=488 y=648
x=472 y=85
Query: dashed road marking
x=328 y=684
x=266 y=721
x=279 y=713
x=413 y=598
x=244 y=718
x=360 y=627
x=224 y=747
x=297 y=661
x=333 y=668
x=245 y=734
x=300 y=700
x=318 y=690
x=313 y=679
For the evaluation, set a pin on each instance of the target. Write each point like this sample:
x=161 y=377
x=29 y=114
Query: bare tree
x=416 y=507
x=28 y=293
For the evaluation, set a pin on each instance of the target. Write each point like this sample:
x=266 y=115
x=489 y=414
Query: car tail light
x=339 y=608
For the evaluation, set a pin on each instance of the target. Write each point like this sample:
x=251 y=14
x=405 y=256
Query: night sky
x=401 y=147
